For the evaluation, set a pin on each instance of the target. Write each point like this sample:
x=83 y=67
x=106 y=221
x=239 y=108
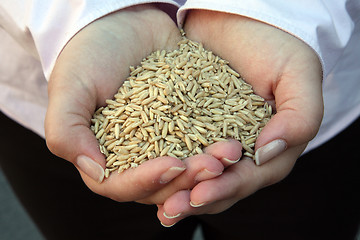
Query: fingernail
x=197 y=205
x=171 y=217
x=205 y=174
x=269 y=151
x=167 y=225
x=170 y=174
x=90 y=168
x=230 y=161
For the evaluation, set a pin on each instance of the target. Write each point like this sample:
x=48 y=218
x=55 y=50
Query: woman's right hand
x=89 y=70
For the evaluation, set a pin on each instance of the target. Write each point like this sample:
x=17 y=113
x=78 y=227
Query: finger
x=199 y=168
x=68 y=134
x=238 y=179
x=244 y=178
x=235 y=181
x=178 y=207
x=218 y=194
x=177 y=204
x=181 y=201
x=140 y=182
x=299 y=110
x=228 y=152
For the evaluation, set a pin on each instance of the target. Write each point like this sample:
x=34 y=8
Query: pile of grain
x=175 y=104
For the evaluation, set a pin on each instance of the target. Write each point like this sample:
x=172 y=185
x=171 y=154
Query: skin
x=90 y=69
x=283 y=70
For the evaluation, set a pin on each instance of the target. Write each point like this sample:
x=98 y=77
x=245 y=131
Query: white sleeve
x=43 y=27
x=325 y=25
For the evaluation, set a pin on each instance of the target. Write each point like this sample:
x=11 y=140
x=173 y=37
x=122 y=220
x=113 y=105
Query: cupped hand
x=283 y=70
x=90 y=69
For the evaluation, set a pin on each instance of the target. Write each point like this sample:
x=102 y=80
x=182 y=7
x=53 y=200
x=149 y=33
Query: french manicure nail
x=170 y=174
x=90 y=168
x=269 y=151
x=171 y=217
x=197 y=205
x=164 y=225
x=205 y=174
x=230 y=161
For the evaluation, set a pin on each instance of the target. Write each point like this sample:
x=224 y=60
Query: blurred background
x=15 y=224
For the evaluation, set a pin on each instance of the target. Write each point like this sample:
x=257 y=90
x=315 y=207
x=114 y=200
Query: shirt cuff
x=325 y=26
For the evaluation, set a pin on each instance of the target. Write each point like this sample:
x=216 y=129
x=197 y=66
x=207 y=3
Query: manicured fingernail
x=230 y=161
x=170 y=174
x=171 y=217
x=90 y=168
x=164 y=225
x=269 y=151
x=195 y=205
x=205 y=174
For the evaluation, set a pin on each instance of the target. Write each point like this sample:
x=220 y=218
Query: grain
x=175 y=104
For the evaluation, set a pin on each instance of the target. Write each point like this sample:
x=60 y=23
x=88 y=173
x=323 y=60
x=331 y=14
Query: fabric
x=51 y=24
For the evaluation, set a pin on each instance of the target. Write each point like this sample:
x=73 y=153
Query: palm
x=280 y=67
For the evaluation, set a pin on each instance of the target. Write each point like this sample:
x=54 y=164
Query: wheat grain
x=175 y=104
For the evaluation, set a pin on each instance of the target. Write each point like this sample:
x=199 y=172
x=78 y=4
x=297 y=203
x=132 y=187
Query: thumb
x=299 y=111
x=67 y=129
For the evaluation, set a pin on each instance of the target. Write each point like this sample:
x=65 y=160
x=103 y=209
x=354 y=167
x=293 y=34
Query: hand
x=283 y=70
x=90 y=70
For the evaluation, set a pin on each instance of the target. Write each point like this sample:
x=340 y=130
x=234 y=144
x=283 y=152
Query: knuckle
x=54 y=143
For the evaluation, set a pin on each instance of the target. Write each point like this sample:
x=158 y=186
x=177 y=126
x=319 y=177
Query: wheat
x=175 y=104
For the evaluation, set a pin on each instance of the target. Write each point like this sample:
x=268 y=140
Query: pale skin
x=89 y=70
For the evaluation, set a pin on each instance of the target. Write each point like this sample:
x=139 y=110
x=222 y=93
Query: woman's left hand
x=285 y=72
